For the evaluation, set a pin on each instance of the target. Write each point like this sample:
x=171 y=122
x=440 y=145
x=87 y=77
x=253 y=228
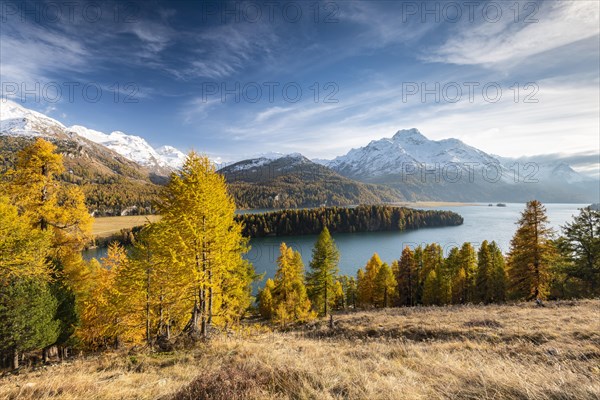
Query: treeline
x=364 y=218
x=293 y=191
x=538 y=266
x=184 y=277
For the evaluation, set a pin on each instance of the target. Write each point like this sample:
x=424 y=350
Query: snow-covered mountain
x=265 y=159
x=409 y=152
x=543 y=170
x=16 y=120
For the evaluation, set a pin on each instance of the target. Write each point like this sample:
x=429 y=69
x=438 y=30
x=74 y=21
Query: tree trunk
x=15 y=359
x=45 y=354
x=148 y=307
x=326 y=305
x=210 y=298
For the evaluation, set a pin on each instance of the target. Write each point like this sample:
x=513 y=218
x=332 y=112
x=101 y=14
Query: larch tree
x=265 y=300
x=323 y=273
x=531 y=253
x=385 y=286
x=27 y=307
x=290 y=301
x=58 y=208
x=206 y=246
x=148 y=290
x=457 y=276
x=23 y=250
x=431 y=289
x=366 y=283
x=103 y=305
x=468 y=260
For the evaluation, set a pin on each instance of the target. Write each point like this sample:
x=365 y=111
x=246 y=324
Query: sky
x=233 y=79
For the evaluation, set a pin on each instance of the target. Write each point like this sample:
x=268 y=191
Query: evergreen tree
x=385 y=286
x=323 y=273
x=349 y=290
x=485 y=273
x=498 y=270
x=407 y=278
x=58 y=208
x=418 y=256
x=580 y=246
x=27 y=310
x=531 y=253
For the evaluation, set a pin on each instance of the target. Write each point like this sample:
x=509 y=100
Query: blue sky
x=362 y=68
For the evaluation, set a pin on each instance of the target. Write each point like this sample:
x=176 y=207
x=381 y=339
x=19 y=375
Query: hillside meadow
x=106 y=226
x=514 y=351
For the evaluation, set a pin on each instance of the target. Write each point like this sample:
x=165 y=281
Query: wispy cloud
x=221 y=51
x=505 y=42
x=270 y=112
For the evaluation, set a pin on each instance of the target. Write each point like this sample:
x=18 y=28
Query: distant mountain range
x=407 y=166
x=292 y=180
x=450 y=170
x=16 y=120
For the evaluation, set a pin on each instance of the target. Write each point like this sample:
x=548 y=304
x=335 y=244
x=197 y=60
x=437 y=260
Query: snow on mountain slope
x=547 y=171
x=266 y=159
x=18 y=120
x=173 y=157
x=408 y=149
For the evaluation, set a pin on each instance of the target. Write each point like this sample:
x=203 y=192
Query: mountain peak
x=17 y=120
x=412 y=134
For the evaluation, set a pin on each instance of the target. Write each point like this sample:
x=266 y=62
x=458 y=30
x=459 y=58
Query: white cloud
x=270 y=112
x=506 y=42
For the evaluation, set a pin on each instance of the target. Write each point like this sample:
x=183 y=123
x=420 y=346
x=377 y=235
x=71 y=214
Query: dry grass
x=464 y=352
x=106 y=226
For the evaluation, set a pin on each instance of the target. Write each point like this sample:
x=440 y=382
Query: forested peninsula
x=364 y=218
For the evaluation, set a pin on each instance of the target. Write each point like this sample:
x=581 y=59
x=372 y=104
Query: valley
x=122 y=174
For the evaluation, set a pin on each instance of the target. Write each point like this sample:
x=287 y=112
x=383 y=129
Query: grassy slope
x=106 y=226
x=465 y=352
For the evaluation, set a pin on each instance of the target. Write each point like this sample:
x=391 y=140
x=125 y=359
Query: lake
x=481 y=222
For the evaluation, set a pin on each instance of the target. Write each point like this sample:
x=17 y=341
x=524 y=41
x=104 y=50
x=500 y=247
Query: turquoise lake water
x=481 y=222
